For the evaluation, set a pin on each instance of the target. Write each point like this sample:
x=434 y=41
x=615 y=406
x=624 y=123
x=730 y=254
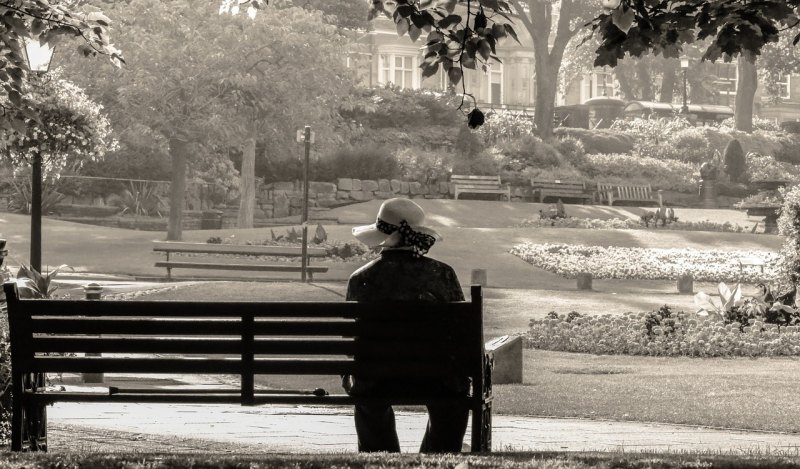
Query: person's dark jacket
x=400 y=276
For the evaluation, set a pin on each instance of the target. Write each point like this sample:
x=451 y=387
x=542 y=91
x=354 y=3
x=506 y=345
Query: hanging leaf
x=623 y=18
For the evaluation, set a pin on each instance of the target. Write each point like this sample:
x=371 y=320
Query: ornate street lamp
x=38 y=56
x=684 y=67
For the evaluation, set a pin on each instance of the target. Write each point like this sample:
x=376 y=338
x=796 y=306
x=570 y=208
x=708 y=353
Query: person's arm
x=453 y=286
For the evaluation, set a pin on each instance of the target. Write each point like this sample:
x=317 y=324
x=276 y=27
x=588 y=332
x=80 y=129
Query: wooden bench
x=407 y=342
x=479 y=185
x=610 y=193
x=561 y=190
x=236 y=250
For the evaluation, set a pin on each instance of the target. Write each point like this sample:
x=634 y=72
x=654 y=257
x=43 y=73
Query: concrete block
x=342 y=195
x=506 y=355
x=396 y=185
x=686 y=284
x=283 y=186
x=369 y=185
x=356 y=184
x=584 y=281
x=383 y=195
x=405 y=187
x=321 y=187
x=415 y=188
x=344 y=184
x=384 y=185
x=361 y=195
x=280 y=206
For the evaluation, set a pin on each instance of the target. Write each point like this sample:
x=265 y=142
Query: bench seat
x=479 y=185
x=237 y=250
x=611 y=193
x=561 y=190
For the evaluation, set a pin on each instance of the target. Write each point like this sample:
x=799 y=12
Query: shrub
x=758 y=124
x=789 y=226
x=734 y=163
x=571 y=149
x=599 y=140
x=500 y=126
x=420 y=165
x=529 y=151
x=767 y=168
x=792 y=127
x=663 y=332
x=654 y=130
x=362 y=162
x=483 y=164
x=628 y=169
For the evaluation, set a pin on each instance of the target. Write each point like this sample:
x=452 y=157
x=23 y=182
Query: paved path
x=327 y=429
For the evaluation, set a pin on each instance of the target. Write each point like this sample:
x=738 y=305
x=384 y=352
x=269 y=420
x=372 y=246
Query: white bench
x=479 y=185
x=610 y=193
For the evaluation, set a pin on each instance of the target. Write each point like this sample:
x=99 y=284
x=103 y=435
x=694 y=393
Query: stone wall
x=282 y=199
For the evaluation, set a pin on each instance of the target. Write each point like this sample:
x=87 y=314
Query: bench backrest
x=394 y=339
x=476 y=181
x=255 y=250
x=576 y=186
x=605 y=187
x=634 y=192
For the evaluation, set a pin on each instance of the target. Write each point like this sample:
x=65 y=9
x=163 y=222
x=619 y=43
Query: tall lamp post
x=38 y=56
x=685 y=68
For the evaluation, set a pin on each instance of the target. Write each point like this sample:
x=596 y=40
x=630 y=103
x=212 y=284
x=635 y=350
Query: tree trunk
x=177 y=196
x=623 y=74
x=746 y=86
x=247 y=190
x=669 y=80
x=545 y=103
x=645 y=81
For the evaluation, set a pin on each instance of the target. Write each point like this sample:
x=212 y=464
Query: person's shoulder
x=438 y=264
x=364 y=269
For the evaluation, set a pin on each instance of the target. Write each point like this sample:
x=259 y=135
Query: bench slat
x=248 y=267
x=150 y=309
x=251 y=250
x=167 y=327
x=229 y=398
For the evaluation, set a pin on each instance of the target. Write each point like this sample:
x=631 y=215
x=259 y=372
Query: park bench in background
x=611 y=193
x=479 y=185
x=401 y=340
x=561 y=190
x=236 y=250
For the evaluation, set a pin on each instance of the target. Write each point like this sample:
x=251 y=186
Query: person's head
x=400 y=223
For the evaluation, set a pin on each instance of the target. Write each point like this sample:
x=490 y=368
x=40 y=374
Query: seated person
x=404 y=273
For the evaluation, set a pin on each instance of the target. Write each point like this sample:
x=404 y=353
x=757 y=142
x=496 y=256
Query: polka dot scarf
x=420 y=243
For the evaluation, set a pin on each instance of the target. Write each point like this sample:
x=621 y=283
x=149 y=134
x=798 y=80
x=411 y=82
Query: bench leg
x=16 y=411
x=29 y=421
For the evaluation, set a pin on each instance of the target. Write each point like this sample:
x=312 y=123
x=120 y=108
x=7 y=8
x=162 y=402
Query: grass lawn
x=757 y=394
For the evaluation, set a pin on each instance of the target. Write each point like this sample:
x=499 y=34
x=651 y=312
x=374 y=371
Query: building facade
x=381 y=57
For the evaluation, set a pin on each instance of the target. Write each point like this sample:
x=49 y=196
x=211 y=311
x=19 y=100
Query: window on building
x=727 y=75
x=597 y=84
x=399 y=70
x=495 y=74
x=784 y=84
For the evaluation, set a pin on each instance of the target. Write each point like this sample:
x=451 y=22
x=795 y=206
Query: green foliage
x=500 y=126
x=360 y=162
x=529 y=151
x=421 y=165
x=485 y=163
x=571 y=149
x=140 y=198
x=599 y=140
x=46 y=22
x=22 y=194
x=628 y=169
x=734 y=163
x=654 y=129
x=630 y=224
x=789 y=227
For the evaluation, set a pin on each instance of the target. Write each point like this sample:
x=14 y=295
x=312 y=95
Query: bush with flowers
x=630 y=224
x=648 y=263
x=71 y=131
x=662 y=332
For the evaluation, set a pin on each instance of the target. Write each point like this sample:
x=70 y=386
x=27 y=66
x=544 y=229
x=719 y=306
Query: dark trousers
x=376 y=429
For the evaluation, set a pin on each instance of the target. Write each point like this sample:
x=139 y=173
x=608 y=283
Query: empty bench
x=236 y=250
x=561 y=190
x=479 y=185
x=409 y=342
x=611 y=193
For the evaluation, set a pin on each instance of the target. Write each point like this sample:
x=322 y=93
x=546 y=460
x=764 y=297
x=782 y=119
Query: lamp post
x=684 y=67
x=38 y=56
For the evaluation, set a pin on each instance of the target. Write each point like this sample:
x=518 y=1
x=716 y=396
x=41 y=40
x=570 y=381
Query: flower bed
x=661 y=333
x=629 y=224
x=647 y=263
